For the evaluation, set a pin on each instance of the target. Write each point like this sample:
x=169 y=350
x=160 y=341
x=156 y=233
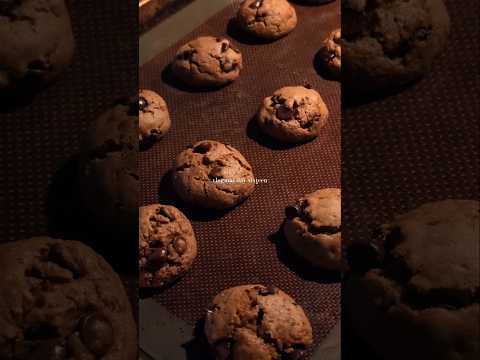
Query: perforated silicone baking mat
x=418 y=146
x=40 y=137
x=242 y=246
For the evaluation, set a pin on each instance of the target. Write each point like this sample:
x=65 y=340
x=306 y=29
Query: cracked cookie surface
x=267 y=19
x=108 y=172
x=293 y=114
x=60 y=300
x=154 y=118
x=167 y=245
x=390 y=43
x=207 y=61
x=37 y=41
x=313 y=228
x=331 y=53
x=213 y=175
x=257 y=322
x=423 y=290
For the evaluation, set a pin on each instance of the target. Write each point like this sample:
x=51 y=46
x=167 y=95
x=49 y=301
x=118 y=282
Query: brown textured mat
x=418 y=146
x=241 y=246
x=39 y=137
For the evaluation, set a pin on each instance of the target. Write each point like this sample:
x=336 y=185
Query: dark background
x=41 y=137
x=418 y=146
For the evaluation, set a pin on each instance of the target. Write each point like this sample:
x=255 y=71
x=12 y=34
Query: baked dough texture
x=60 y=300
x=389 y=43
x=257 y=322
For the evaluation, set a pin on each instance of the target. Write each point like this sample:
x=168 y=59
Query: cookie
x=420 y=298
x=390 y=43
x=293 y=114
x=212 y=175
x=37 y=41
x=60 y=300
x=331 y=53
x=257 y=322
x=267 y=19
x=108 y=176
x=166 y=244
x=207 y=62
x=154 y=118
x=313 y=228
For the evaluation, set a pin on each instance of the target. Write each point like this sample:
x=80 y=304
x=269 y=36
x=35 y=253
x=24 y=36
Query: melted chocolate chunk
x=158 y=257
x=180 y=246
x=202 y=148
x=292 y=211
x=284 y=113
x=96 y=333
x=142 y=103
x=215 y=173
x=326 y=55
x=256 y=4
x=225 y=47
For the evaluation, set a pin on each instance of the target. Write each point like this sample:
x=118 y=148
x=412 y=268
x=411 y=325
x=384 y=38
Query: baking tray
x=417 y=146
x=151 y=12
x=244 y=245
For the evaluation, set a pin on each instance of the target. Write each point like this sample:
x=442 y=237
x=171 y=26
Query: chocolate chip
x=326 y=55
x=291 y=211
x=269 y=290
x=202 y=148
x=307 y=86
x=180 y=246
x=228 y=65
x=206 y=160
x=256 y=4
x=276 y=100
x=142 y=103
x=162 y=211
x=154 y=244
x=284 y=113
x=225 y=47
x=97 y=334
x=158 y=257
x=215 y=173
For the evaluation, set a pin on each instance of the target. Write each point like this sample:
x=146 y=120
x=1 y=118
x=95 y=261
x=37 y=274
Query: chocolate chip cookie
x=312 y=228
x=213 y=175
x=267 y=19
x=390 y=43
x=108 y=176
x=293 y=114
x=154 y=118
x=257 y=322
x=419 y=299
x=207 y=62
x=37 y=41
x=331 y=53
x=166 y=244
x=60 y=300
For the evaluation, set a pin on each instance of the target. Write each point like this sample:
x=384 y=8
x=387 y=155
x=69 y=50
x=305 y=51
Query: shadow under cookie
x=67 y=219
x=198 y=348
x=297 y=264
